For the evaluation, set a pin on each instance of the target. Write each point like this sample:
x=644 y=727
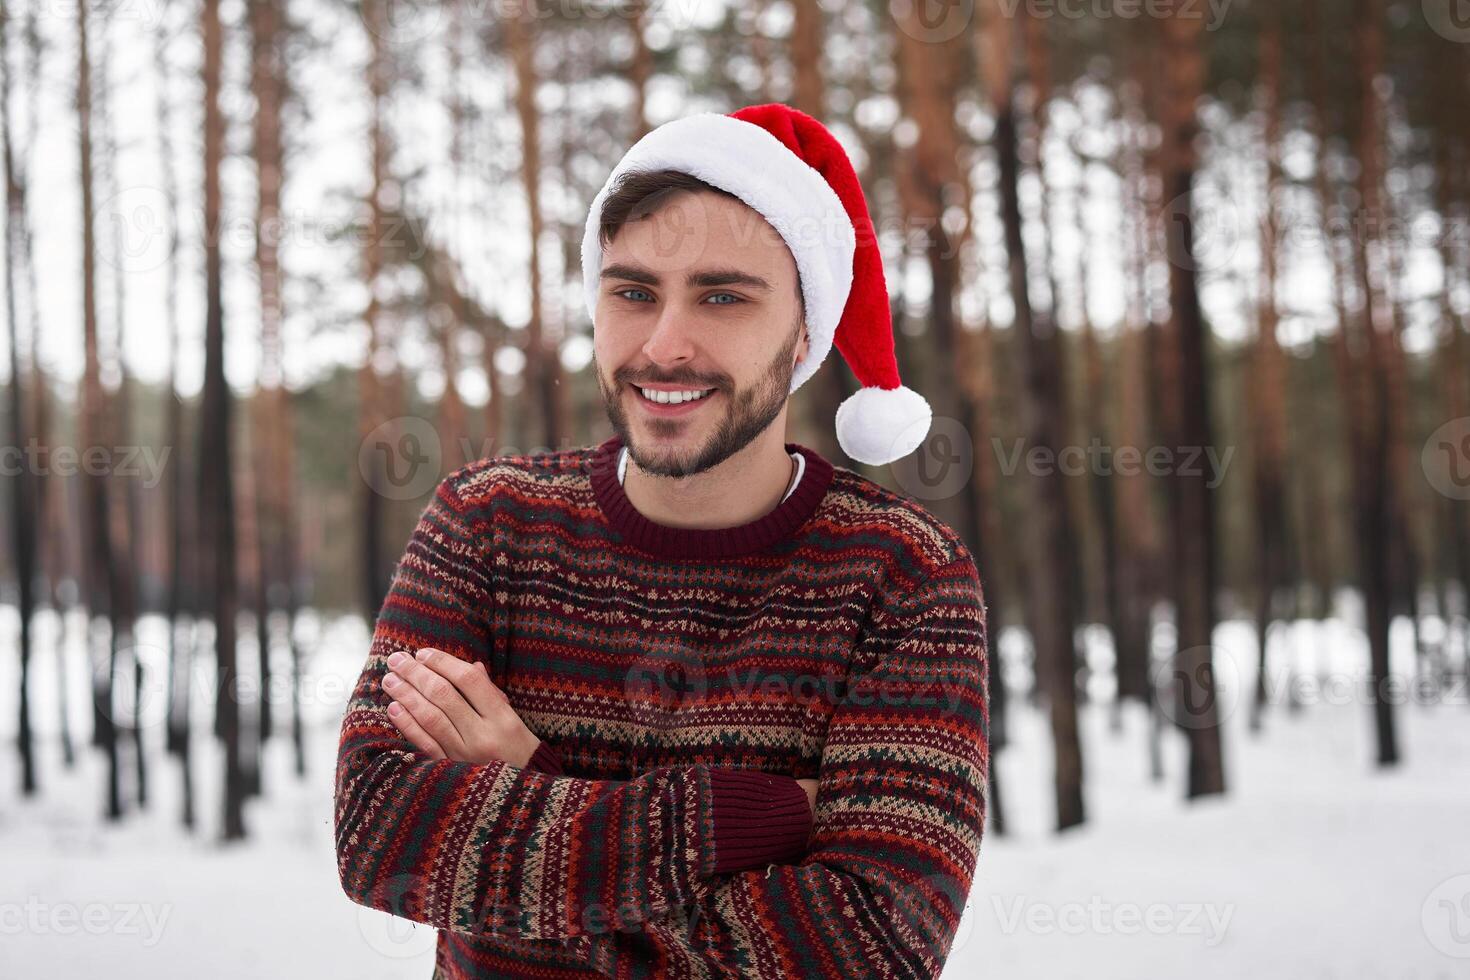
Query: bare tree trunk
x=453 y=427
x=1266 y=399
x=1103 y=508
x=271 y=419
x=123 y=511
x=1194 y=527
x=98 y=562
x=215 y=485
x=543 y=387
x=25 y=488
x=1370 y=394
x=49 y=503
x=928 y=179
x=1136 y=565
x=1339 y=265
x=182 y=566
x=1051 y=605
x=370 y=391
x=1452 y=159
x=640 y=68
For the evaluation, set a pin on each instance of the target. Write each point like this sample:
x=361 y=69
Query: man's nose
x=672 y=340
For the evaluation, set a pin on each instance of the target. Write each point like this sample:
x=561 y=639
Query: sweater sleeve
x=900 y=809
x=545 y=759
x=517 y=851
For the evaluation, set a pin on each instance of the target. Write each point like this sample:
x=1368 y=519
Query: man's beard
x=749 y=413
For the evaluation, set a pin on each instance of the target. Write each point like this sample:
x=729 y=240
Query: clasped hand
x=450 y=709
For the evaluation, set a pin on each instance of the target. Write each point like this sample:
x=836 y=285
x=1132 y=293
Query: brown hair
x=639 y=193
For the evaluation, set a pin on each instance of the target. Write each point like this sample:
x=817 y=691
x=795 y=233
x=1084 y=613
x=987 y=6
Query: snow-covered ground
x=1315 y=864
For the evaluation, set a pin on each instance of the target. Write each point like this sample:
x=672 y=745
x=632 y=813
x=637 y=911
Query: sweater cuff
x=759 y=818
x=545 y=759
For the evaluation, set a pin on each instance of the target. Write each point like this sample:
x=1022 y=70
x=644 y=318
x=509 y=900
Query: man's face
x=700 y=295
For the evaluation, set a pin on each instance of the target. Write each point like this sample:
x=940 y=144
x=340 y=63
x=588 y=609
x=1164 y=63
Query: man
x=693 y=702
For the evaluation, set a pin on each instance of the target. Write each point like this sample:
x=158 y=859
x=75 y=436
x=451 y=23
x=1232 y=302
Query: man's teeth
x=672 y=397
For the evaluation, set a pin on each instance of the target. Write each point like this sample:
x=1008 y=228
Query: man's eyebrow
x=708 y=277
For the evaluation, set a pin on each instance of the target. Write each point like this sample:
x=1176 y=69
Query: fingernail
x=423 y=654
x=390 y=680
x=396 y=659
x=394 y=707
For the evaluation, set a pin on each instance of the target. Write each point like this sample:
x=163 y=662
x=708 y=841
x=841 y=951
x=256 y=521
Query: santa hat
x=792 y=171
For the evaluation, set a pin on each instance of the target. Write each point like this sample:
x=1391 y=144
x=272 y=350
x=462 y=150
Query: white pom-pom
x=878 y=425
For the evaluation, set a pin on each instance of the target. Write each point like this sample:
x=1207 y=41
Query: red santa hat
x=792 y=171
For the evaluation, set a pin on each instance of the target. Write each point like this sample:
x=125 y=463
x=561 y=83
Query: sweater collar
x=723 y=542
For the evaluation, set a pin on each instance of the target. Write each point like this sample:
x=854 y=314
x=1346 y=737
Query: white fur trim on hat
x=879 y=425
x=746 y=160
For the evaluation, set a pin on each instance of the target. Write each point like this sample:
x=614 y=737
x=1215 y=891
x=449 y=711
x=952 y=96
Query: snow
x=1315 y=864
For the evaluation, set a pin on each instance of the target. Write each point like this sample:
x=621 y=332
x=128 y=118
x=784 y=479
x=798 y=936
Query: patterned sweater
x=681 y=681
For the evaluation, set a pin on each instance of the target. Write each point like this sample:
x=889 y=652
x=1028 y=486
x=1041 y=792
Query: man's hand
x=450 y=709
x=810 y=785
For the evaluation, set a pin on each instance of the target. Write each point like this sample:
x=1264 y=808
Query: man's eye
x=624 y=292
x=737 y=299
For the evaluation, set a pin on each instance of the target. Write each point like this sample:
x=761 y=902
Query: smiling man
x=671 y=705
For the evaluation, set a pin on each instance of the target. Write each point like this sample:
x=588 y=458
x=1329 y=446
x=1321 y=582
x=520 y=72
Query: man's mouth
x=673 y=401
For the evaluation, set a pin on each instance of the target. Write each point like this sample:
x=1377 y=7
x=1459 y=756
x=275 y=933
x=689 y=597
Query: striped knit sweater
x=681 y=681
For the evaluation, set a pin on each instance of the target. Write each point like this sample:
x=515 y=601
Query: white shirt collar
x=800 y=469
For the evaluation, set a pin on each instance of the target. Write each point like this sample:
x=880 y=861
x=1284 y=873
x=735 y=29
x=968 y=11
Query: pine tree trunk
x=97 y=561
x=216 y=494
x=543 y=387
x=25 y=490
x=1050 y=605
x=1266 y=398
x=1194 y=525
